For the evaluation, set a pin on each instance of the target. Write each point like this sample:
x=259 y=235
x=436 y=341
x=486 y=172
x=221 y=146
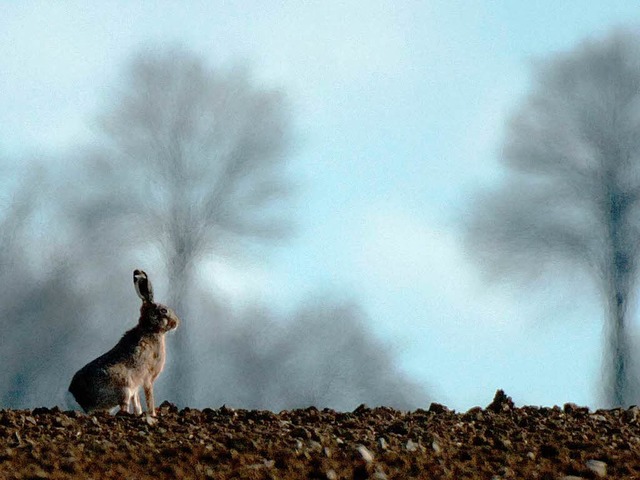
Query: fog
x=449 y=186
x=571 y=196
x=188 y=164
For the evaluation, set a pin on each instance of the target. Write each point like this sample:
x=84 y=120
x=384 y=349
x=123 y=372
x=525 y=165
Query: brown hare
x=114 y=379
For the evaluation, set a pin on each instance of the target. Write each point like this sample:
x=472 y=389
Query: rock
x=150 y=420
x=503 y=443
x=301 y=432
x=224 y=410
x=39 y=473
x=475 y=413
x=399 y=428
x=411 y=446
x=501 y=402
x=570 y=407
x=364 y=452
x=435 y=445
x=598 y=467
x=315 y=446
x=438 y=408
x=167 y=407
x=632 y=415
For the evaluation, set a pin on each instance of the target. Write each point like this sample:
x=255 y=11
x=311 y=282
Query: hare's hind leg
x=137 y=408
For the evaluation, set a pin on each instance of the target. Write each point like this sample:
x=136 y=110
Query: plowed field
x=496 y=442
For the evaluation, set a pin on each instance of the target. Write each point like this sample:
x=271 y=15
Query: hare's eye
x=163 y=311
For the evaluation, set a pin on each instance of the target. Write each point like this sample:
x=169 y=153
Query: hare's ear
x=143 y=285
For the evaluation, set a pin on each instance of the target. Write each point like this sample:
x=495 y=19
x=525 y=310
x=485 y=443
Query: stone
x=438 y=408
x=501 y=402
x=598 y=467
x=382 y=443
x=364 y=452
x=411 y=446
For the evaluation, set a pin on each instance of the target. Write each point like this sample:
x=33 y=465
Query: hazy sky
x=399 y=109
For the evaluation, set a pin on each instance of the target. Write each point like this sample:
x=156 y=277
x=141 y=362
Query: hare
x=114 y=379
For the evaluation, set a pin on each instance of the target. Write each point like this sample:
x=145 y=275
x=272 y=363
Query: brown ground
x=493 y=443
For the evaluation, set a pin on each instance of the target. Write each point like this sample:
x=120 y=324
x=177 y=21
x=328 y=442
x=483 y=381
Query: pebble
x=632 y=415
x=436 y=446
x=364 y=452
x=150 y=420
x=598 y=467
x=438 y=408
x=411 y=446
x=501 y=402
x=301 y=432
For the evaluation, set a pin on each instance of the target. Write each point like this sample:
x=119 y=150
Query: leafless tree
x=40 y=312
x=572 y=192
x=193 y=162
x=322 y=354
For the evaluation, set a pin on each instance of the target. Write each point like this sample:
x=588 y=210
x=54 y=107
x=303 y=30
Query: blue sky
x=399 y=111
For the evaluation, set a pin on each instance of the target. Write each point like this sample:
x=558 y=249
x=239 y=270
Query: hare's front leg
x=148 y=394
x=130 y=399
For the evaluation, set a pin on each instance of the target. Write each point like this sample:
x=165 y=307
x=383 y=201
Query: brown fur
x=114 y=379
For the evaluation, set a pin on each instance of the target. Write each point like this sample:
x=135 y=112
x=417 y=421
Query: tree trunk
x=180 y=364
x=618 y=383
x=619 y=281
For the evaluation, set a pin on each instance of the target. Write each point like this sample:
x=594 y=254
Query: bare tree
x=572 y=194
x=194 y=163
x=322 y=354
x=40 y=311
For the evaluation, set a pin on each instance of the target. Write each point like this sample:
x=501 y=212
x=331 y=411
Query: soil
x=497 y=442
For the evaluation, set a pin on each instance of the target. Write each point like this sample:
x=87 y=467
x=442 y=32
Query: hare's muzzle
x=172 y=323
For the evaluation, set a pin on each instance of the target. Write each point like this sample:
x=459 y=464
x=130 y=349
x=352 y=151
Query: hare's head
x=153 y=316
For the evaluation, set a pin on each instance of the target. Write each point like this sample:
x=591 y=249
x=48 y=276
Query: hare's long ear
x=143 y=285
